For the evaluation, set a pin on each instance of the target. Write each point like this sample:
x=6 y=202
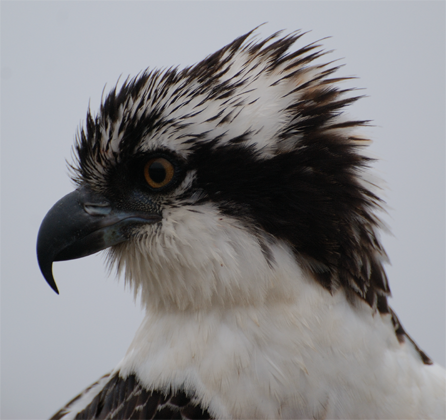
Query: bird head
x=224 y=182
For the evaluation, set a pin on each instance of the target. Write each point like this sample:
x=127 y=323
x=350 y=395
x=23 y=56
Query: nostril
x=97 y=209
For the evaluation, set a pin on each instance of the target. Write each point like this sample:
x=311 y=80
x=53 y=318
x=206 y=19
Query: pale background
x=57 y=56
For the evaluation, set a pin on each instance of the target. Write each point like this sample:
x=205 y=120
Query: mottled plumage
x=237 y=199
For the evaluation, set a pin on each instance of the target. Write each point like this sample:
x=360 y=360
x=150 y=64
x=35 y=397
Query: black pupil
x=157 y=172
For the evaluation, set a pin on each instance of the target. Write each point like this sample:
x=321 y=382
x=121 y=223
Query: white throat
x=257 y=339
x=200 y=259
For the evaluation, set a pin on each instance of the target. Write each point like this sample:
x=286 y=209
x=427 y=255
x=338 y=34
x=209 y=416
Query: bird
x=237 y=198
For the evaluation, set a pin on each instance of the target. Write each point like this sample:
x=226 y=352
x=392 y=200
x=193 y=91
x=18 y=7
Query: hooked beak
x=83 y=223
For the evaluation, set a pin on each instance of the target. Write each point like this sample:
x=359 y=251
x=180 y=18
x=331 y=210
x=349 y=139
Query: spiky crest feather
x=276 y=113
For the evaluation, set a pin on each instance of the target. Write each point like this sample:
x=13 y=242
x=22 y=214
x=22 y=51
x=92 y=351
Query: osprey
x=235 y=198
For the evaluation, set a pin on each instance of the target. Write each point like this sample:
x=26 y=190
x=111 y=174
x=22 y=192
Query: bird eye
x=158 y=172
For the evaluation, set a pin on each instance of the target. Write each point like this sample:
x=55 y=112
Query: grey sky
x=57 y=56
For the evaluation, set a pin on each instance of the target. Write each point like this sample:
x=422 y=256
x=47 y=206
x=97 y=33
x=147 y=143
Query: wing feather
x=126 y=398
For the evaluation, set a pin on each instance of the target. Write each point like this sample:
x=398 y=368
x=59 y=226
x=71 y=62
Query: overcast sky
x=56 y=58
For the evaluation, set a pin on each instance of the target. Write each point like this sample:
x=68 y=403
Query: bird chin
x=204 y=260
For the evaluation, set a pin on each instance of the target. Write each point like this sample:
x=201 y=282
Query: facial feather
x=244 y=214
x=257 y=134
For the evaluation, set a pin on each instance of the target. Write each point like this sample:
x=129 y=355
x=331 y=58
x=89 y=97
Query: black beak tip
x=52 y=284
x=47 y=271
x=50 y=279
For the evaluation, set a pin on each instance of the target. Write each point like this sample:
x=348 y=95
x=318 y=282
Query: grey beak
x=80 y=224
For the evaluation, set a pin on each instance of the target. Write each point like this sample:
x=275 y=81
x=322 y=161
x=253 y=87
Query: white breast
x=308 y=355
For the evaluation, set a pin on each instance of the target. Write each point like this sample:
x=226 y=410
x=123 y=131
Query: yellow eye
x=158 y=172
